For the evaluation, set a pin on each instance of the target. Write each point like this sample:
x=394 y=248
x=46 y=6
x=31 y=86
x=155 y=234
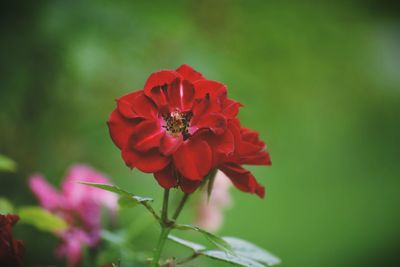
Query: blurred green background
x=320 y=81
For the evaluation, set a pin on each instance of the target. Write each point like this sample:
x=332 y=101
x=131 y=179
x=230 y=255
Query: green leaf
x=245 y=253
x=107 y=187
x=41 y=219
x=233 y=259
x=127 y=202
x=5 y=206
x=216 y=240
x=248 y=250
x=189 y=244
x=7 y=164
x=126 y=199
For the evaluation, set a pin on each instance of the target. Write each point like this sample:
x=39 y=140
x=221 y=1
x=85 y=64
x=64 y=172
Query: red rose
x=249 y=150
x=179 y=127
x=10 y=250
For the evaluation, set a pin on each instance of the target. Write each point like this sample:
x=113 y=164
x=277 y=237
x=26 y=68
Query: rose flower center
x=177 y=122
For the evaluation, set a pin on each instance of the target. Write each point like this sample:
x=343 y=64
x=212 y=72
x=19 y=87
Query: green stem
x=164 y=230
x=161 y=241
x=164 y=213
x=166 y=225
x=192 y=257
x=180 y=206
x=150 y=208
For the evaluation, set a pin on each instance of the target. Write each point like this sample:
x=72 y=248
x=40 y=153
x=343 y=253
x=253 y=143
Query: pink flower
x=209 y=211
x=79 y=205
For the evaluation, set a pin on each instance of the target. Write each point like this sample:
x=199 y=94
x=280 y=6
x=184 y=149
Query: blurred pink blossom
x=79 y=205
x=210 y=211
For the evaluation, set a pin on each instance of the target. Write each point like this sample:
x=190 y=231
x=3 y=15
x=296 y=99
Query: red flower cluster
x=180 y=127
x=10 y=250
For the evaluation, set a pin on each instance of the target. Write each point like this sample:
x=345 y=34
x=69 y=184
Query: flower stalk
x=166 y=225
x=164 y=212
x=180 y=206
x=161 y=241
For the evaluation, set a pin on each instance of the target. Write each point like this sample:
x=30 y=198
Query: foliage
x=7 y=164
x=6 y=206
x=232 y=250
x=41 y=219
x=243 y=253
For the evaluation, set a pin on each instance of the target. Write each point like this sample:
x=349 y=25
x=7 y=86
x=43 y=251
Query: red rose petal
x=230 y=108
x=224 y=143
x=234 y=127
x=251 y=136
x=261 y=158
x=149 y=161
x=188 y=186
x=157 y=85
x=167 y=177
x=160 y=78
x=160 y=97
x=251 y=149
x=242 y=179
x=181 y=95
x=200 y=107
x=120 y=128
x=247 y=148
x=205 y=118
x=170 y=143
x=136 y=105
x=260 y=190
x=189 y=73
x=147 y=135
x=124 y=105
x=214 y=121
x=144 y=106
x=193 y=159
x=215 y=89
x=222 y=146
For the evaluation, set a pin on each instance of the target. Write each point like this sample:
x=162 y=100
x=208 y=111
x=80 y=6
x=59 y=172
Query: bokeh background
x=320 y=81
